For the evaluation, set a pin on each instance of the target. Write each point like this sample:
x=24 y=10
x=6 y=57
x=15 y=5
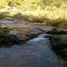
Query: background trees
x=52 y=9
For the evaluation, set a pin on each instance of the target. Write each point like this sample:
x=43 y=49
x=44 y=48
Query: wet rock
x=16 y=36
x=35 y=31
x=27 y=34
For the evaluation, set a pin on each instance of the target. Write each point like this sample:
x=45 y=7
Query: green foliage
x=57 y=43
x=38 y=10
x=29 y=4
x=51 y=9
x=3 y=3
x=63 y=39
x=58 y=22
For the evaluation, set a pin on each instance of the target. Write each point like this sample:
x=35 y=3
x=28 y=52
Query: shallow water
x=34 y=53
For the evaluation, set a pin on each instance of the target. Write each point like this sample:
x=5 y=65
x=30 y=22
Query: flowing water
x=34 y=53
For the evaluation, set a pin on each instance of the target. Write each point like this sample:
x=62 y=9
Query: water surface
x=34 y=53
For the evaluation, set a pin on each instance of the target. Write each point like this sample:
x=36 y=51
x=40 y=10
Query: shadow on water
x=14 y=41
x=59 y=54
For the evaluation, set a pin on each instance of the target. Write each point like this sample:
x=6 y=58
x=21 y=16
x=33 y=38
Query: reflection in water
x=34 y=53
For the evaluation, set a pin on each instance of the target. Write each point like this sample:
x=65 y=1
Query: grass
x=16 y=27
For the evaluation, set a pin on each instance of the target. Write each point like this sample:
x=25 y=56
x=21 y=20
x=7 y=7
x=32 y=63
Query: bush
x=58 y=23
x=59 y=41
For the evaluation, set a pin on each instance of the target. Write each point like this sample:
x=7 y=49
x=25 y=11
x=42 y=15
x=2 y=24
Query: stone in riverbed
x=35 y=31
x=8 y=38
x=24 y=34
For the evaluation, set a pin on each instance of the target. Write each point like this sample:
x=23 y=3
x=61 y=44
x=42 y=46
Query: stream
x=36 y=52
